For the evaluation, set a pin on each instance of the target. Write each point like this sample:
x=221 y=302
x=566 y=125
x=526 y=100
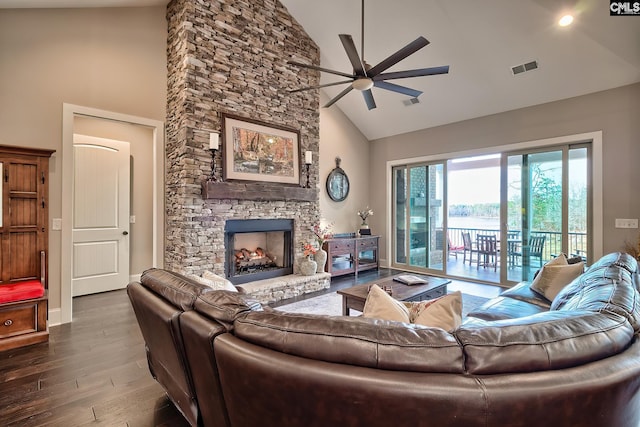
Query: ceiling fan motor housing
x=362 y=83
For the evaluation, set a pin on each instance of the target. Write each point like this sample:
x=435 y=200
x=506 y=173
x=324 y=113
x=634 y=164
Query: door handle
x=124 y=233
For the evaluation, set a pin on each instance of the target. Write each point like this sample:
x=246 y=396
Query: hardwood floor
x=94 y=370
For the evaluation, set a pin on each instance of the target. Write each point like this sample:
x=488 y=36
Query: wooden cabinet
x=346 y=255
x=24 y=175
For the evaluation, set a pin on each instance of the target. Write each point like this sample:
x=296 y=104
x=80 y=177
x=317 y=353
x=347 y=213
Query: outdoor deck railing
x=552 y=244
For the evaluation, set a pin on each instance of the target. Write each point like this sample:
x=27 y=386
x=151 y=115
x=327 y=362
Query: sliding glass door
x=419 y=241
x=534 y=203
x=546 y=203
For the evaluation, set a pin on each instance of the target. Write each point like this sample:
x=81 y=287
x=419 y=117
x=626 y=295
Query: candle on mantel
x=213 y=141
x=307 y=157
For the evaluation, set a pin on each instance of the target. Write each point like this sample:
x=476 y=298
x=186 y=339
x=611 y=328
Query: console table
x=346 y=255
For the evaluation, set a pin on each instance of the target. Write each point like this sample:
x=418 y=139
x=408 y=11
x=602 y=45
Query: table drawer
x=17 y=320
x=368 y=244
x=335 y=245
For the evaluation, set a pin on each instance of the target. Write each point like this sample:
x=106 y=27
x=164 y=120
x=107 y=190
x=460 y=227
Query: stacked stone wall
x=231 y=57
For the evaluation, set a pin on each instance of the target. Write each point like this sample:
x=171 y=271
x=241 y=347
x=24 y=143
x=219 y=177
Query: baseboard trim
x=55 y=317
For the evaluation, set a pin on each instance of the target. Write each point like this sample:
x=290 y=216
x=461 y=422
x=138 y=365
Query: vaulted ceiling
x=480 y=41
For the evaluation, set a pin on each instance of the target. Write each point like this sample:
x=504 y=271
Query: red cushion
x=21 y=291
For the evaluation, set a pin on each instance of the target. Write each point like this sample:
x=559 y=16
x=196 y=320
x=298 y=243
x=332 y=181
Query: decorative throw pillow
x=559 y=260
x=553 y=278
x=444 y=312
x=214 y=281
x=381 y=305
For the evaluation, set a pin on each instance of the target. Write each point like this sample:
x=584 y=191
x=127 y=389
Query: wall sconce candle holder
x=213 y=148
x=307 y=164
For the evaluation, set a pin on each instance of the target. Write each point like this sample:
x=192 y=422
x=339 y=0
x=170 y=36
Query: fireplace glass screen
x=258 y=249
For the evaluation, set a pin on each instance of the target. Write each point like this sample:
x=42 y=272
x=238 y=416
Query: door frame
x=595 y=138
x=69 y=111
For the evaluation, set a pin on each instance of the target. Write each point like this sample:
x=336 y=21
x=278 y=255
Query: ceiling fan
x=365 y=77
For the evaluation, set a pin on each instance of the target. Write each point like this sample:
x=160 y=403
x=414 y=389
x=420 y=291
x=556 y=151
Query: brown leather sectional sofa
x=517 y=361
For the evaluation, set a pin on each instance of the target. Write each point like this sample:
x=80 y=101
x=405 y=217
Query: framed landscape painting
x=256 y=151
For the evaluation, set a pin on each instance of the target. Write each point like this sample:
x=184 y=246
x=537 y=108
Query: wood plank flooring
x=94 y=370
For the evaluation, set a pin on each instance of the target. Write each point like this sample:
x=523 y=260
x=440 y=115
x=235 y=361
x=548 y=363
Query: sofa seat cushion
x=523 y=292
x=176 y=288
x=21 y=291
x=501 y=308
x=544 y=341
x=356 y=341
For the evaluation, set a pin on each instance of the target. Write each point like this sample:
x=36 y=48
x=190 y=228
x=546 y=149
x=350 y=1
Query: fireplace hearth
x=258 y=249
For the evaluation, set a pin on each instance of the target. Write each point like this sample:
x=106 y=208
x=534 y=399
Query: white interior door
x=100 y=215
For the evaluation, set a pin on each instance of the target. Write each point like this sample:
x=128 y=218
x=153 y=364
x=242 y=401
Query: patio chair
x=536 y=247
x=513 y=247
x=487 y=251
x=454 y=249
x=469 y=246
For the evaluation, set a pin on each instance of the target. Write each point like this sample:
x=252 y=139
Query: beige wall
x=109 y=59
x=140 y=139
x=340 y=138
x=115 y=60
x=615 y=112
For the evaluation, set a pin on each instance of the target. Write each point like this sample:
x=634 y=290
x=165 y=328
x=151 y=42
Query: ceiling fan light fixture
x=566 y=20
x=362 y=84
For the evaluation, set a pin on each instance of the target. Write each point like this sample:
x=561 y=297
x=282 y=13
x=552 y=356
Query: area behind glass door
x=419 y=235
x=547 y=208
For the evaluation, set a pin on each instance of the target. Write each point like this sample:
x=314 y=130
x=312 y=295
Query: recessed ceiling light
x=565 y=20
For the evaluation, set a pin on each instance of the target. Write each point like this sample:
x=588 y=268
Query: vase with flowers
x=364 y=214
x=633 y=248
x=308 y=266
x=322 y=233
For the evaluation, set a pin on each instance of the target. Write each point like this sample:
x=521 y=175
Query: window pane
x=577 y=209
x=400 y=185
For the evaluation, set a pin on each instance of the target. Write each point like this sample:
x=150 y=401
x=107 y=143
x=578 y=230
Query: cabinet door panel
x=24 y=212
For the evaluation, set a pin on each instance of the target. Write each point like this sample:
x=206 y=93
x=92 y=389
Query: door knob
x=124 y=233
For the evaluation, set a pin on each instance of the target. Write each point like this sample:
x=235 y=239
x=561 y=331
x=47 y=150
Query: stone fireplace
x=232 y=57
x=258 y=249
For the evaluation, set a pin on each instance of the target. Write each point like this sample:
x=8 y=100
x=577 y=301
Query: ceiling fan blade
x=352 y=53
x=326 y=70
x=397 y=88
x=321 y=86
x=368 y=98
x=340 y=95
x=412 y=73
x=412 y=47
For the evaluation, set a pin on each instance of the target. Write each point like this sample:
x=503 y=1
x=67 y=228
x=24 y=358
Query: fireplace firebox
x=258 y=249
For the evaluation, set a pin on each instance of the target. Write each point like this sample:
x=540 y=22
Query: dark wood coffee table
x=355 y=297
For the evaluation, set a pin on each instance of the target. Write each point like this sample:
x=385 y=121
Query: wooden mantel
x=257 y=191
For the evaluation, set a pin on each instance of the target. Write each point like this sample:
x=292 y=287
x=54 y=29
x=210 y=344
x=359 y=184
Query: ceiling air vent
x=529 y=66
x=411 y=101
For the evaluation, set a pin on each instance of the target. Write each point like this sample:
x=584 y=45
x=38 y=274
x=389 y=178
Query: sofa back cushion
x=159 y=322
x=544 y=341
x=225 y=306
x=608 y=286
x=356 y=341
x=177 y=289
x=618 y=259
